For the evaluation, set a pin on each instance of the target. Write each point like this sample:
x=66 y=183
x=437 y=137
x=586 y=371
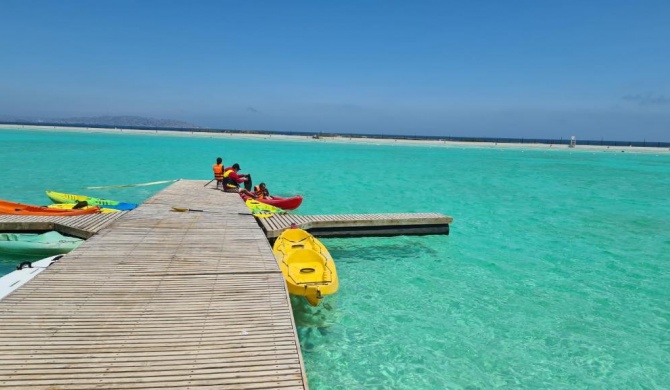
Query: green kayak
x=60 y=197
x=50 y=243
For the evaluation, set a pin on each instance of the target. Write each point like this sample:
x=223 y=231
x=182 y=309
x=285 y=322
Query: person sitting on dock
x=262 y=192
x=218 y=172
x=232 y=180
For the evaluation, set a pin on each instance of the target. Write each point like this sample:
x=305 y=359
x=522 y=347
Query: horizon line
x=318 y=134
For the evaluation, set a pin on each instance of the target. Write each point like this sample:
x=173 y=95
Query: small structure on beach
x=573 y=141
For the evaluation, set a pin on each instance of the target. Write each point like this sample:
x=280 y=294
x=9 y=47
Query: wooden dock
x=81 y=226
x=157 y=299
x=162 y=299
x=359 y=225
x=341 y=225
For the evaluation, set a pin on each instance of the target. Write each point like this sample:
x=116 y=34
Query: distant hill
x=106 y=121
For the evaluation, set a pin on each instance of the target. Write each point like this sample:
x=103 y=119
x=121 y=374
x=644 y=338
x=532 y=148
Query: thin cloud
x=251 y=109
x=648 y=99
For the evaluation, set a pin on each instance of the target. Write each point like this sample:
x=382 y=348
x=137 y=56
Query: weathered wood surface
x=351 y=225
x=158 y=299
x=82 y=226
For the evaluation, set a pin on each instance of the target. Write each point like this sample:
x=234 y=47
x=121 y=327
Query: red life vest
x=228 y=181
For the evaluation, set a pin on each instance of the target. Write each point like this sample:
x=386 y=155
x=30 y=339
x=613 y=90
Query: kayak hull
x=306 y=264
x=70 y=206
x=13 y=208
x=59 y=197
x=18 y=278
x=46 y=244
x=291 y=203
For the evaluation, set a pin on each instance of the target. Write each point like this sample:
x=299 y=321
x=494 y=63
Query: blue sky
x=534 y=69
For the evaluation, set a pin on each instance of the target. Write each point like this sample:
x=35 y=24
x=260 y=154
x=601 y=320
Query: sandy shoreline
x=344 y=139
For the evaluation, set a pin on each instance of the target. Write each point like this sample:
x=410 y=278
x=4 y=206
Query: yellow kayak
x=262 y=210
x=70 y=206
x=308 y=268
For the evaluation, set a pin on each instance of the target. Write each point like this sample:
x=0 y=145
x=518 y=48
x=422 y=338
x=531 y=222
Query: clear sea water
x=556 y=274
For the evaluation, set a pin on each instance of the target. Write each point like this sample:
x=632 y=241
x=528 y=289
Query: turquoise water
x=555 y=275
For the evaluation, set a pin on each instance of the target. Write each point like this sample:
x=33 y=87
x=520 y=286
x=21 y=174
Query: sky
x=534 y=69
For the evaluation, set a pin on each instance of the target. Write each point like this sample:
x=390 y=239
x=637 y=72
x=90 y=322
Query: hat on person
x=236 y=166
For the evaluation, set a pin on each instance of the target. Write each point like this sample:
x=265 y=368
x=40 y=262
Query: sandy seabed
x=345 y=139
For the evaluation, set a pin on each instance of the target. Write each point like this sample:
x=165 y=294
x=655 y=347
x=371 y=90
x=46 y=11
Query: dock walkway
x=82 y=226
x=157 y=299
x=359 y=225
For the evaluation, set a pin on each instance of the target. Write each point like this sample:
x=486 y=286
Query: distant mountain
x=106 y=121
x=126 y=121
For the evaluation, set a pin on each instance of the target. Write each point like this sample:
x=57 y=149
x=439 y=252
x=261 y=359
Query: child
x=261 y=192
x=218 y=172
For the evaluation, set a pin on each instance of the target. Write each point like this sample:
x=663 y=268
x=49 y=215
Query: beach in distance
x=347 y=139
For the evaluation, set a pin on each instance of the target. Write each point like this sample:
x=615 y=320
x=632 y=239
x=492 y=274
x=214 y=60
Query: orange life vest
x=261 y=194
x=218 y=171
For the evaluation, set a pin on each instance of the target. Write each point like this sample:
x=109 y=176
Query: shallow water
x=555 y=274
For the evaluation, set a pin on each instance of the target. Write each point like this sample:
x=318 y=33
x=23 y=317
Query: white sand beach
x=347 y=139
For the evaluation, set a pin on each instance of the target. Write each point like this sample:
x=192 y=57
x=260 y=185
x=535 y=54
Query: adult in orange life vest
x=262 y=192
x=218 y=172
x=232 y=180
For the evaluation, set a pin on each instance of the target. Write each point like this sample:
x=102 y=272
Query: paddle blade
x=247 y=184
x=80 y=205
x=184 y=209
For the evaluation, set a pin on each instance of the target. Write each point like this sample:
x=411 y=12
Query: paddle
x=247 y=184
x=186 y=209
x=80 y=205
x=209 y=182
x=153 y=183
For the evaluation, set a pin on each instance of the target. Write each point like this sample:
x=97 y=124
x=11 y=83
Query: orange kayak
x=7 y=207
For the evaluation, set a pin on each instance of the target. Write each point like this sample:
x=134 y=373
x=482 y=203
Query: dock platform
x=157 y=299
x=81 y=226
x=359 y=225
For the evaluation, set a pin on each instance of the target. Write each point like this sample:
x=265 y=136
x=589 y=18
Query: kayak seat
x=305 y=266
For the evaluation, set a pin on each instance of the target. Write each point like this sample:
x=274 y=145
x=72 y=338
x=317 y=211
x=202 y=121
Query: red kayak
x=283 y=203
